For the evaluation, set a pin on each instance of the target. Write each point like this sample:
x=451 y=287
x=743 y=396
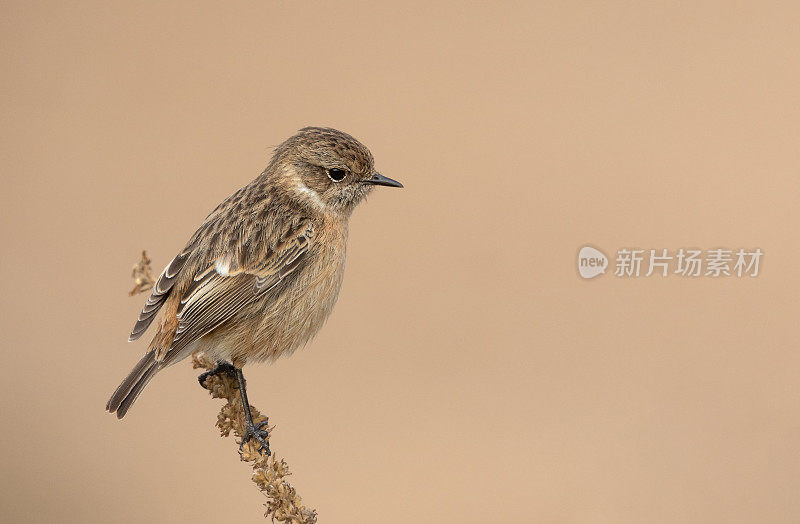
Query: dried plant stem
x=142 y=276
x=269 y=474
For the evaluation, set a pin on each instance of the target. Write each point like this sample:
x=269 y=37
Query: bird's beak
x=379 y=180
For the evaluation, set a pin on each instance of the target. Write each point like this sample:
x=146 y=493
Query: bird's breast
x=292 y=316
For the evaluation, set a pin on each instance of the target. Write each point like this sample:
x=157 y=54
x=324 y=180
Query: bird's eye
x=337 y=175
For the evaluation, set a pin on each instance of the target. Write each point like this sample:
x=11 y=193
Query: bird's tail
x=127 y=392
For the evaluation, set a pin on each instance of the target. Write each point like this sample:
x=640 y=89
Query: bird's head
x=326 y=169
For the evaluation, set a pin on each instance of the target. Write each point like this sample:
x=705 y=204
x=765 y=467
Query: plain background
x=468 y=374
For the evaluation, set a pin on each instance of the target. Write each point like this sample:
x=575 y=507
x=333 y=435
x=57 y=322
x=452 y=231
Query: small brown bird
x=262 y=273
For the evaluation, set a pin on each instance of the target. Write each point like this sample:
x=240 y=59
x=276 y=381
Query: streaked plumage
x=262 y=273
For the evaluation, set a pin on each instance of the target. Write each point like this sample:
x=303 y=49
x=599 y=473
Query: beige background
x=468 y=374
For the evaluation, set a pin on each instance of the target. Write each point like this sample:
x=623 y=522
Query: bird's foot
x=257 y=432
x=222 y=367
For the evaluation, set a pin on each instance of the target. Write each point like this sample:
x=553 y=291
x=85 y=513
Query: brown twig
x=269 y=474
x=142 y=277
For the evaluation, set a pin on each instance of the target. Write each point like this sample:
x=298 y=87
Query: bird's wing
x=160 y=292
x=218 y=293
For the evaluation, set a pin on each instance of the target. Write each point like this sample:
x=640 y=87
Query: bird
x=262 y=273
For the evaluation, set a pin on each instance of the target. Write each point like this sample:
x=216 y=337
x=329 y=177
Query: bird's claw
x=222 y=367
x=256 y=431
